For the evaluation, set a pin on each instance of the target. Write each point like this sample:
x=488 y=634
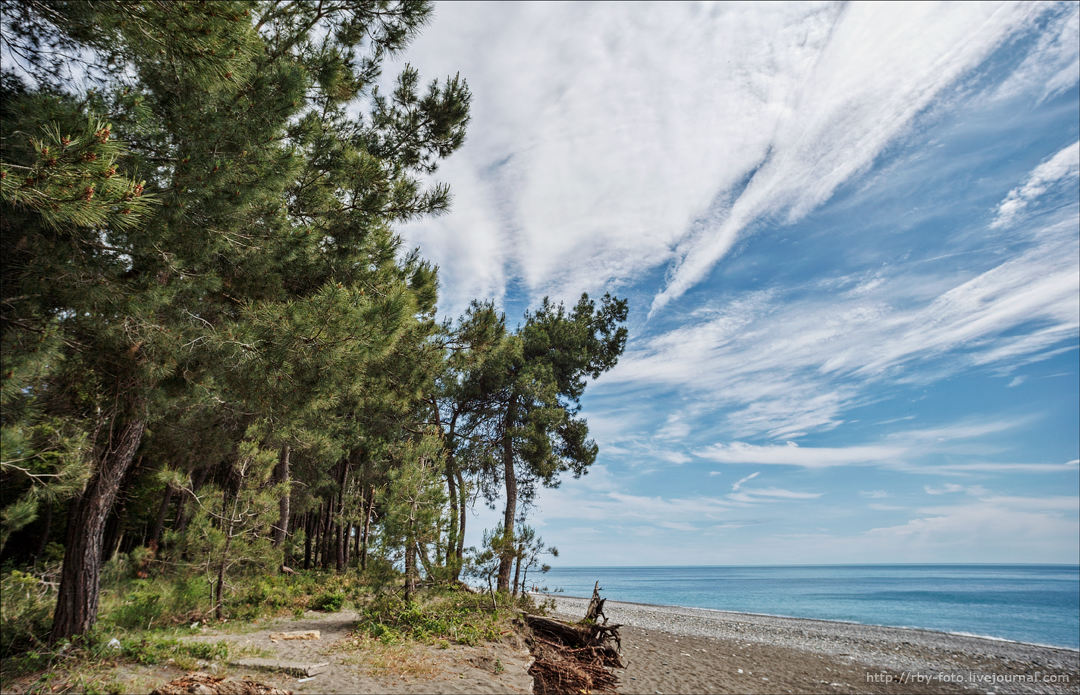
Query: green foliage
x=330 y=602
x=73 y=180
x=26 y=606
x=454 y=615
x=145 y=603
x=154 y=649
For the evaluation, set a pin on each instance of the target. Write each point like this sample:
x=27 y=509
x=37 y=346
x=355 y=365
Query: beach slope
x=689 y=650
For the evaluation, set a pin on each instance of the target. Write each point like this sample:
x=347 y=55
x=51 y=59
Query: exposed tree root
x=575 y=657
x=204 y=684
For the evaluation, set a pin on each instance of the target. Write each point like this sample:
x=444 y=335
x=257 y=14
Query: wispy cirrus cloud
x=867 y=85
x=1061 y=169
x=779 y=364
x=901 y=450
x=658 y=133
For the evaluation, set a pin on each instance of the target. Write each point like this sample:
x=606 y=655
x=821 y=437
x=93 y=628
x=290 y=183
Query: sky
x=850 y=239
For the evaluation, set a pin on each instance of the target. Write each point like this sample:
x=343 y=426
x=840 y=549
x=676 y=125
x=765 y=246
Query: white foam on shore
x=676 y=609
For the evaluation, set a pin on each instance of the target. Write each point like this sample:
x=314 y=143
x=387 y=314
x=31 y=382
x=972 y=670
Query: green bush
x=450 y=615
x=330 y=602
x=145 y=603
x=26 y=608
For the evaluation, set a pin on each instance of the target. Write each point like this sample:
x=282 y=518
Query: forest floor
x=353 y=664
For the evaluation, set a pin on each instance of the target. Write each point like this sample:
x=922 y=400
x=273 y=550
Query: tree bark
x=463 y=499
x=342 y=539
x=517 y=572
x=425 y=562
x=451 y=532
x=77 y=600
x=410 y=569
x=367 y=528
x=309 y=530
x=281 y=475
x=507 y=556
x=159 y=521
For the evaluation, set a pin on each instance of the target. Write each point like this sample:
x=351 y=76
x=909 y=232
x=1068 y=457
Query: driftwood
x=298 y=634
x=205 y=684
x=575 y=657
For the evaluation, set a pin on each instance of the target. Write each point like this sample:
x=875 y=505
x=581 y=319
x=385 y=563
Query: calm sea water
x=1027 y=603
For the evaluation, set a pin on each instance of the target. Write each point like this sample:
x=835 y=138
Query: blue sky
x=850 y=236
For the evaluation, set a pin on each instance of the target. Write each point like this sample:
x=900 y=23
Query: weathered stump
x=575 y=657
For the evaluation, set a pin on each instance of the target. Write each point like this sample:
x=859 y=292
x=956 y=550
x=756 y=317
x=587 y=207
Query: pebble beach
x=671 y=649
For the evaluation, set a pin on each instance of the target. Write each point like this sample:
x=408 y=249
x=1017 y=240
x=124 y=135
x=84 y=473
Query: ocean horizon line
x=668 y=606
x=832 y=564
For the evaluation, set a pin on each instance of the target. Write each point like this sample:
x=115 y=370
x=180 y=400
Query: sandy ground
x=667 y=650
x=684 y=650
x=375 y=668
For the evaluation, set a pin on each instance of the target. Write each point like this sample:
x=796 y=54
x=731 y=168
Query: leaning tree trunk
x=77 y=601
x=506 y=557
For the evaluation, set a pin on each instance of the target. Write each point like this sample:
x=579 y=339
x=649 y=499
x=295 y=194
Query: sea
x=1039 y=604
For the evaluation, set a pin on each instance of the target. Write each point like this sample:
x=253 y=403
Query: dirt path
x=358 y=666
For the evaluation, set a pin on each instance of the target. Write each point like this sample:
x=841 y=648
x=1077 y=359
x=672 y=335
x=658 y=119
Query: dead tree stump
x=575 y=657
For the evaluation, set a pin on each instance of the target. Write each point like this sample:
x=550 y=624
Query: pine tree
x=275 y=207
x=541 y=375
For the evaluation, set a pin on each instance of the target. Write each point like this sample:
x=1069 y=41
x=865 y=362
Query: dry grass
x=394 y=660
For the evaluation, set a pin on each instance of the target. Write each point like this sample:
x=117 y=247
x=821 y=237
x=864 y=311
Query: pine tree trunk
x=410 y=569
x=77 y=600
x=327 y=534
x=463 y=499
x=339 y=556
x=451 y=533
x=309 y=530
x=510 y=478
x=342 y=540
x=517 y=573
x=281 y=475
x=367 y=528
x=159 y=520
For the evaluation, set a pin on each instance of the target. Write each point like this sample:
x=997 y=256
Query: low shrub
x=26 y=603
x=330 y=602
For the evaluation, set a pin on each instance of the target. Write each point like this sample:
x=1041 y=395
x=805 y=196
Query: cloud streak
x=658 y=134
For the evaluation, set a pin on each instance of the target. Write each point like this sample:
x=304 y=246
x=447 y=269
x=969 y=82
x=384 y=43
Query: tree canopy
x=215 y=348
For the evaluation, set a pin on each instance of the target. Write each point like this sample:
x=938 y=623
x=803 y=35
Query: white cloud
x=874 y=494
x=981 y=532
x=949 y=488
x=807 y=457
x=740 y=481
x=782 y=363
x=608 y=140
x=1062 y=169
x=771 y=494
x=878 y=507
x=1053 y=64
x=866 y=86
x=902 y=450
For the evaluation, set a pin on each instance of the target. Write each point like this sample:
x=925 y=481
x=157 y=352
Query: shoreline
x=734 y=614
x=672 y=649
